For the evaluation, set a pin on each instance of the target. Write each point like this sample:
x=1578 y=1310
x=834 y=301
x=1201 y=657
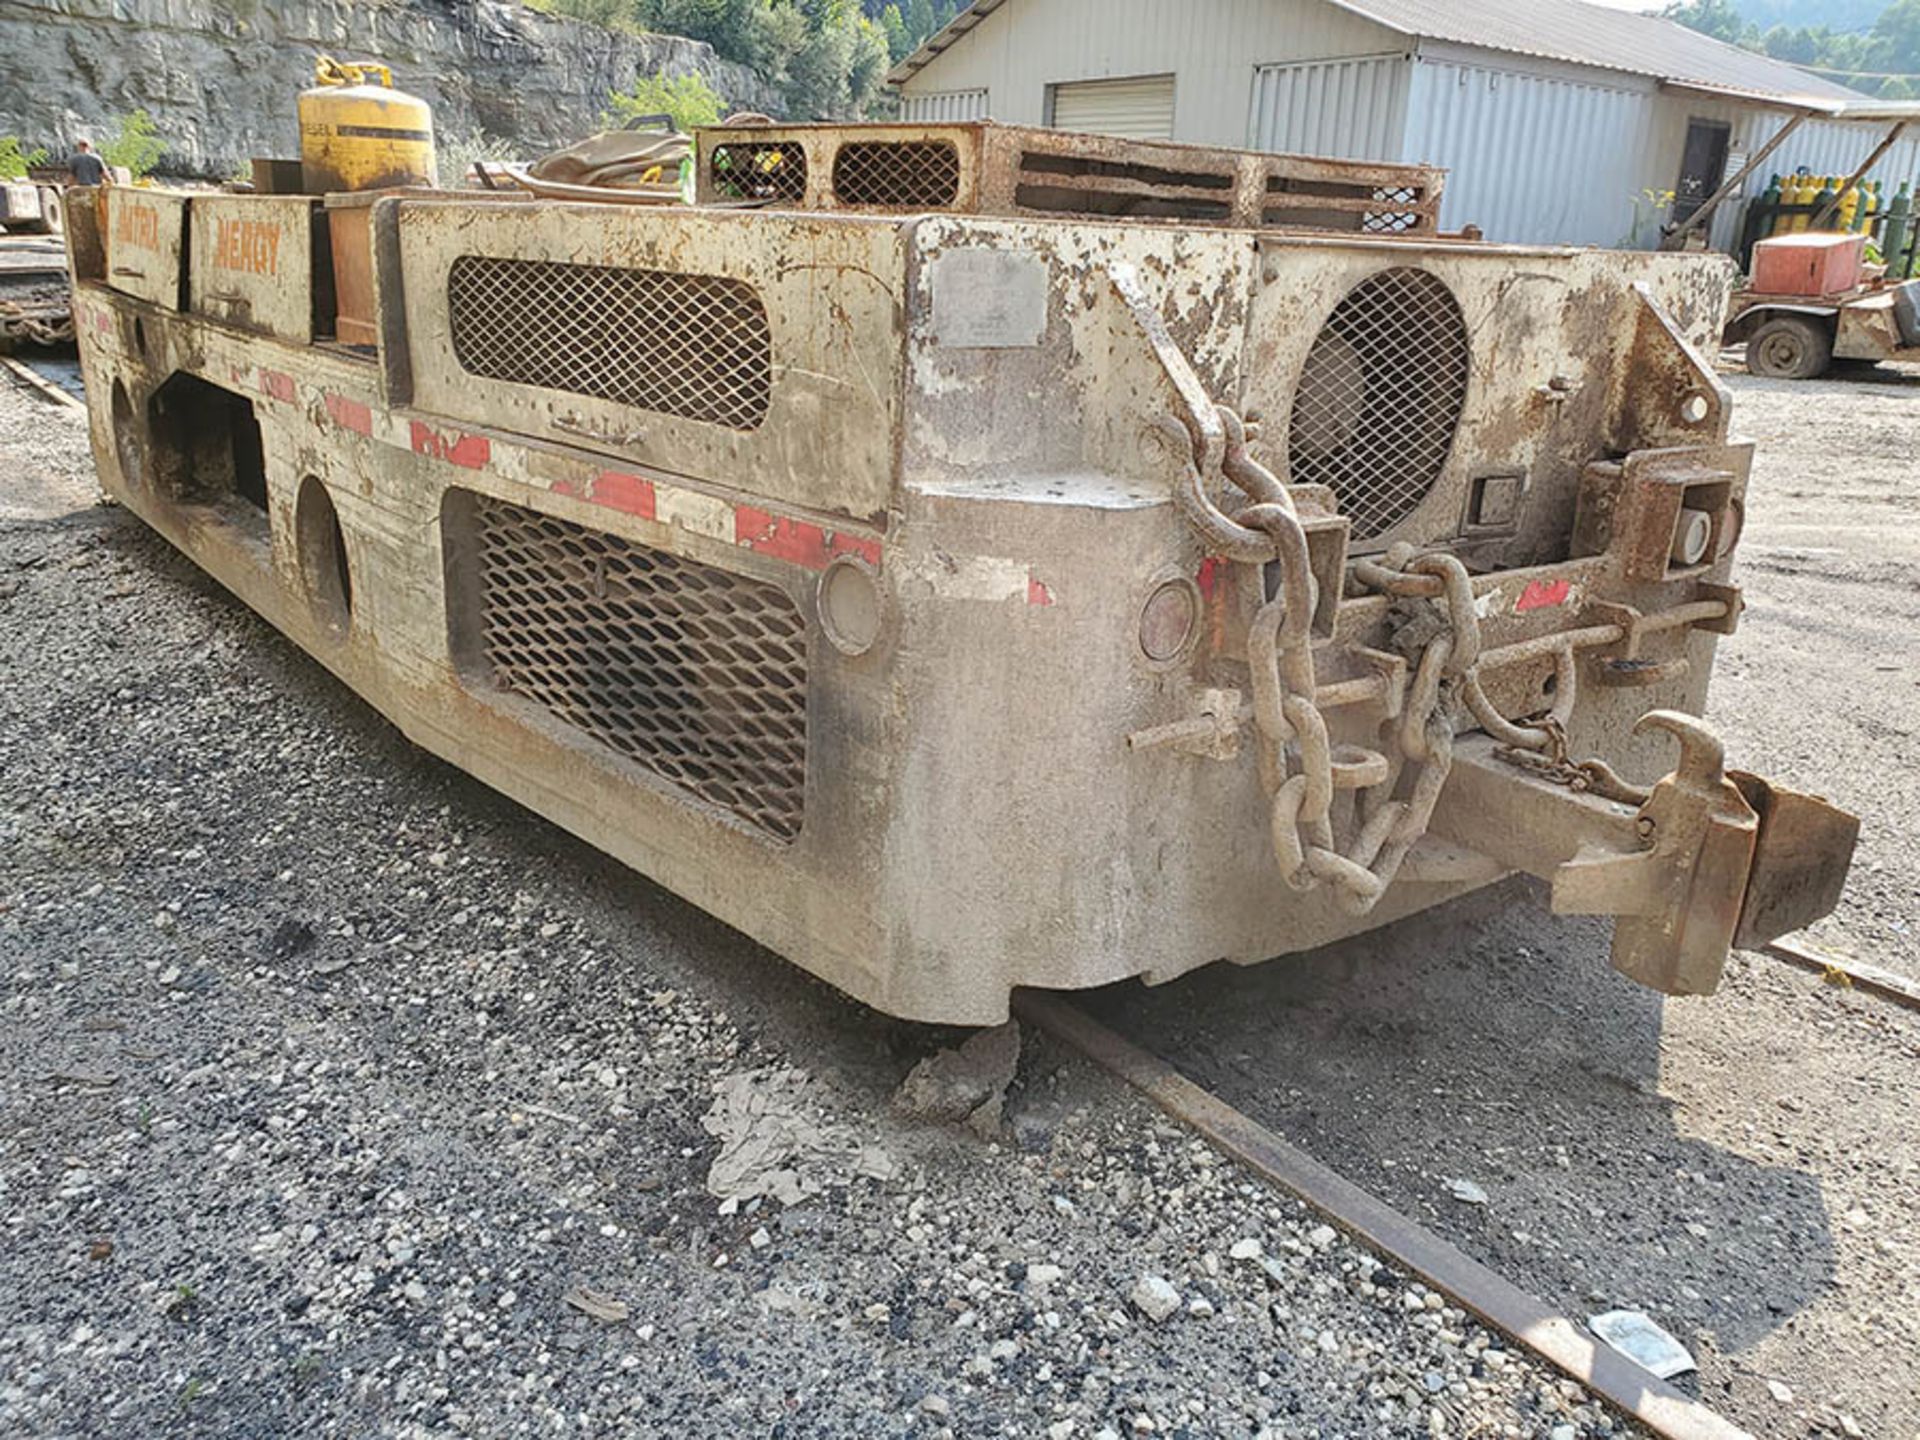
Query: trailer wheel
x=1789 y=347
x=52 y=215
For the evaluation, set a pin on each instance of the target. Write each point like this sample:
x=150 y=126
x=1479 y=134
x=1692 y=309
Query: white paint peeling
x=988 y=578
x=689 y=510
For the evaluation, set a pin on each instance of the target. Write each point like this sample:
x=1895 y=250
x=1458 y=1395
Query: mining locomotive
x=965 y=557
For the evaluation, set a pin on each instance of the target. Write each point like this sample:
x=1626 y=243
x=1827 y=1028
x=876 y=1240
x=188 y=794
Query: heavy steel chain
x=1302 y=772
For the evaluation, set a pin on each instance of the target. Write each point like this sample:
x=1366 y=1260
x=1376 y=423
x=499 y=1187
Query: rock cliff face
x=220 y=79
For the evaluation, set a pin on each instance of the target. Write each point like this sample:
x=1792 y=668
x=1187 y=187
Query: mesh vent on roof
x=913 y=174
x=758 y=170
x=1380 y=398
x=1388 y=220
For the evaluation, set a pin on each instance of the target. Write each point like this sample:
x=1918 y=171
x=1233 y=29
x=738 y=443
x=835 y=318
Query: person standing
x=85 y=165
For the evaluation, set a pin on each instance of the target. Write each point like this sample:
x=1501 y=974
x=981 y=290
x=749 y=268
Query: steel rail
x=1854 y=974
x=1629 y=1388
x=28 y=378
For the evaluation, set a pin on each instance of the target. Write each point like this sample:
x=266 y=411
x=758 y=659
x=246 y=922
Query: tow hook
x=1709 y=861
x=1679 y=900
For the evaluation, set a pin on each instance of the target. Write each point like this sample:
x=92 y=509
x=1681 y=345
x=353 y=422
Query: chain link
x=1301 y=770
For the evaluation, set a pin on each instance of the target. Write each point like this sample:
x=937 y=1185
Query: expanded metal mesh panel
x=1392 y=221
x=695 y=346
x=695 y=673
x=897 y=174
x=758 y=170
x=1380 y=398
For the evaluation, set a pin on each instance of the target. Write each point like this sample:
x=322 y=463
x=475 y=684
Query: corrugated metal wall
x=1825 y=147
x=1539 y=151
x=1536 y=157
x=939 y=106
x=1832 y=147
x=1212 y=45
x=1353 y=109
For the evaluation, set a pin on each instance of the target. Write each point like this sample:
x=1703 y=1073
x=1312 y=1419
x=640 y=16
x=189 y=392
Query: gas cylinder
x=1898 y=234
x=359 y=133
x=1769 y=222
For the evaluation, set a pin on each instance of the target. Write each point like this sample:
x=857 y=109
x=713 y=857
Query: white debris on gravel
x=1154 y=1297
x=770 y=1145
x=428 y=1068
x=1642 y=1341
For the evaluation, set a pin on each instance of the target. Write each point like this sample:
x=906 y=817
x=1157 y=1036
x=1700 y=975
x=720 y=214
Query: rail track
x=28 y=378
x=1529 y=1321
x=1849 y=973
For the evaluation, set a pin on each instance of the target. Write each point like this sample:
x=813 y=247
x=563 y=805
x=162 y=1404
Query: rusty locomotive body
x=1041 y=562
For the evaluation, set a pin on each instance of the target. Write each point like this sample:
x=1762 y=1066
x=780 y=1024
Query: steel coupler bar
x=1710 y=861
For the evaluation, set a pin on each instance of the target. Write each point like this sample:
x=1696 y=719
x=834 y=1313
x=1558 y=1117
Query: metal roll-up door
x=1140 y=108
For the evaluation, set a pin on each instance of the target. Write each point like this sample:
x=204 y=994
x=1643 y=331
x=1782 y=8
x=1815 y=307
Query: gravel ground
x=1745 y=1168
x=1821 y=683
x=326 y=1076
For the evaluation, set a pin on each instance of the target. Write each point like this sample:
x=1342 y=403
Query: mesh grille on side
x=1380 y=398
x=897 y=174
x=758 y=170
x=695 y=673
x=695 y=346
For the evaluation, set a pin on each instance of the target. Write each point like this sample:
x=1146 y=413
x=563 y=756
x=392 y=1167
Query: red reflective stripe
x=620 y=491
x=797 y=541
x=350 y=414
x=470 y=452
x=1543 y=595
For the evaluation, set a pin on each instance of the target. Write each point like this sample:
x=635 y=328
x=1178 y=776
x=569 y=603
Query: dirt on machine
x=966 y=557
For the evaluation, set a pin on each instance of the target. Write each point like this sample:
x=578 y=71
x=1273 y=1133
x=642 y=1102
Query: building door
x=1703 y=165
x=1140 y=108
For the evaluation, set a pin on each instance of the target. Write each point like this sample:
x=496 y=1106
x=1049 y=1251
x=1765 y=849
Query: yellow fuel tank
x=359 y=133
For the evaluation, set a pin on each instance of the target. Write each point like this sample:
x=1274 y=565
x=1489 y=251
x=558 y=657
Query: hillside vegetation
x=826 y=58
x=1878 y=53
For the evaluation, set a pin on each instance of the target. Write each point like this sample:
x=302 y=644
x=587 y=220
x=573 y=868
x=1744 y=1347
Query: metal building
x=1561 y=121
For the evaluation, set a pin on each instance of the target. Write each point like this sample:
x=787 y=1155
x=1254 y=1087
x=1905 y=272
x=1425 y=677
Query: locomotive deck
x=844 y=573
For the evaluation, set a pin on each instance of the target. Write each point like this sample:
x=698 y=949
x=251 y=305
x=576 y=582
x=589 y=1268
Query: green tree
x=1719 y=18
x=14 y=161
x=1799 y=46
x=132 y=144
x=899 y=43
x=687 y=98
x=1897 y=37
x=826 y=58
x=921 y=21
